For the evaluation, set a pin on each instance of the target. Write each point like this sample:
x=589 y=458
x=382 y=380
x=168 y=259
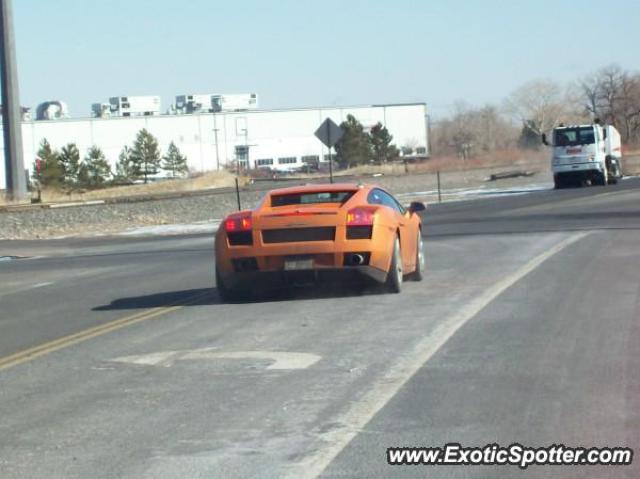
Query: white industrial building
x=280 y=139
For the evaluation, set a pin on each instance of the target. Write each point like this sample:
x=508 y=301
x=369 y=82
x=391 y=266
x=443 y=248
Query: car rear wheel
x=229 y=294
x=418 y=274
x=393 y=284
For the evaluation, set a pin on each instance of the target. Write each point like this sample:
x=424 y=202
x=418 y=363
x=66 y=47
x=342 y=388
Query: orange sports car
x=312 y=230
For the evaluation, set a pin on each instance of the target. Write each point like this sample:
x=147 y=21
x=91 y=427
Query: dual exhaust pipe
x=356 y=259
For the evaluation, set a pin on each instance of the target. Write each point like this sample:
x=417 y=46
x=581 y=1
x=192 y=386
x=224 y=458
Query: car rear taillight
x=235 y=223
x=238 y=227
x=359 y=224
x=359 y=217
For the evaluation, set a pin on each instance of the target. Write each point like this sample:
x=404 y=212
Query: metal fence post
x=238 y=194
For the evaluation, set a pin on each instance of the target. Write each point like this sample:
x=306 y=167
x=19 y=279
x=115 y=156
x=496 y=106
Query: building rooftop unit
x=210 y=103
x=26 y=113
x=147 y=105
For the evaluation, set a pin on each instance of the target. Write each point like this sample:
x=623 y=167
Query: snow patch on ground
x=175 y=229
x=517 y=190
x=471 y=193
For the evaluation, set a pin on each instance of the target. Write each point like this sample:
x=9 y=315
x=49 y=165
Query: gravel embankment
x=117 y=217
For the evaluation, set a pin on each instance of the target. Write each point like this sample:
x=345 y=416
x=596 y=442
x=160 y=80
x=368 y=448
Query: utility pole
x=11 y=110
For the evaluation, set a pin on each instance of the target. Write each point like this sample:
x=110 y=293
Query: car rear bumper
x=324 y=255
x=268 y=279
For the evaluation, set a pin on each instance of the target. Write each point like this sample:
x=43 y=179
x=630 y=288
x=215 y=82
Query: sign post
x=329 y=134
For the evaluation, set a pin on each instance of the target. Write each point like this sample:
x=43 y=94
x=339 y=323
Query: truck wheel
x=602 y=179
x=558 y=184
x=393 y=284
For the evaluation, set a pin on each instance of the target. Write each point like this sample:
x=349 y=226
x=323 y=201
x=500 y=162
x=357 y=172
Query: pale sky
x=297 y=53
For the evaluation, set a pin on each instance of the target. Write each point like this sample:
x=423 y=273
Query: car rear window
x=339 y=197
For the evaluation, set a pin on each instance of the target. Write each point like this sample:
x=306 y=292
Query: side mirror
x=416 y=206
x=544 y=139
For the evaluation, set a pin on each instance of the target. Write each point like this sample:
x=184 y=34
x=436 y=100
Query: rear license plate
x=293 y=264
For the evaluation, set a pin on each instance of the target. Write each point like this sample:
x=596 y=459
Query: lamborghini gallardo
x=313 y=231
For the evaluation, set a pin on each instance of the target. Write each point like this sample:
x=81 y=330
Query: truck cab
x=582 y=155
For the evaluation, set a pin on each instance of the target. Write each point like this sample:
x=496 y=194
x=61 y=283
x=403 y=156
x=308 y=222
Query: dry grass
x=217 y=179
x=631 y=163
x=534 y=160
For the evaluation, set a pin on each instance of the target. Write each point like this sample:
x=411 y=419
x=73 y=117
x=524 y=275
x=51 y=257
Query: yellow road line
x=66 y=341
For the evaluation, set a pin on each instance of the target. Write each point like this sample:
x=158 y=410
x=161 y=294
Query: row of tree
x=64 y=168
x=360 y=147
x=611 y=94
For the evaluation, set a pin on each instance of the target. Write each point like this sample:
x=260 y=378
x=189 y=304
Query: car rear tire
x=229 y=295
x=418 y=274
x=393 y=284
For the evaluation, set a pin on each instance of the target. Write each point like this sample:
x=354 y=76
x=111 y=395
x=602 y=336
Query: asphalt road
x=118 y=360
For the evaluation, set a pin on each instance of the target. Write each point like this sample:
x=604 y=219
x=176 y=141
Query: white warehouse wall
x=269 y=133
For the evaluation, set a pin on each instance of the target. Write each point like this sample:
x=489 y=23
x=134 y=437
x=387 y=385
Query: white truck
x=585 y=155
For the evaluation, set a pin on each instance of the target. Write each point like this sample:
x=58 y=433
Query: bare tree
x=470 y=131
x=630 y=109
x=539 y=105
x=613 y=95
x=602 y=92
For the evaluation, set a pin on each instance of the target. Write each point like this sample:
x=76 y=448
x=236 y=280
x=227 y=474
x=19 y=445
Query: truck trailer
x=585 y=155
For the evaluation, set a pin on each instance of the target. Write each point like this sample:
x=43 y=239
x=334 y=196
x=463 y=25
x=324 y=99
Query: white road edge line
x=357 y=417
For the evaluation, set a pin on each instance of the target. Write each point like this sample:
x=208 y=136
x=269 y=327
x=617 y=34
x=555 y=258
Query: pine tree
x=381 y=139
x=145 y=154
x=95 y=170
x=354 y=147
x=125 y=168
x=47 y=170
x=70 y=161
x=174 y=161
